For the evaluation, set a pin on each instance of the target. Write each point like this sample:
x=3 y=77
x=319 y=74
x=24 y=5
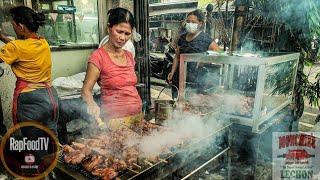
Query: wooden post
x=239 y=18
x=103 y=7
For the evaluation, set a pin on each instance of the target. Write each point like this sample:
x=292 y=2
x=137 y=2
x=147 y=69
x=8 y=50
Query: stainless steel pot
x=164 y=108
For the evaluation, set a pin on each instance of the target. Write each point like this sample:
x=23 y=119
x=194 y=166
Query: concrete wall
x=7 y=84
x=64 y=63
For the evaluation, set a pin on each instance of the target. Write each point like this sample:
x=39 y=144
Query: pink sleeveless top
x=119 y=95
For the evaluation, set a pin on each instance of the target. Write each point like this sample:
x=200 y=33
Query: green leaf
x=308 y=63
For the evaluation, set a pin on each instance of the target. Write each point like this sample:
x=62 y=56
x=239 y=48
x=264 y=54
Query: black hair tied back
x=28 y=17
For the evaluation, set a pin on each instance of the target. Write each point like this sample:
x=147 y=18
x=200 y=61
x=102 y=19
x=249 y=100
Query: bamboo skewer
x=162 y=160
x=136 y=165
x=147 y=162
x=136 y=172
x=124 y=124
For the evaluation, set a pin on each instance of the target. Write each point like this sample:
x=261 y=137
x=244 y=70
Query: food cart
x=251 y=88
x=253 y=91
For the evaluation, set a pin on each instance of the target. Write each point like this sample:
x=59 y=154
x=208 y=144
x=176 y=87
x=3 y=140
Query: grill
x=184 y=161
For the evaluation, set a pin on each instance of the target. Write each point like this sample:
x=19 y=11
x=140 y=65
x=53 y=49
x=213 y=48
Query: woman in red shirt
x=113 y=68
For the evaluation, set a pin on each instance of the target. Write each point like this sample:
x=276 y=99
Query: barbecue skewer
x=147 y=162
x=162 y=160
x=128 y=126
x=136 y=165
x=136 y=172
x=124 y=124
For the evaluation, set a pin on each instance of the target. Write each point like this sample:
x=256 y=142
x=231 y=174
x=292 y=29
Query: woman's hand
x=92 y=75
x=94 y=110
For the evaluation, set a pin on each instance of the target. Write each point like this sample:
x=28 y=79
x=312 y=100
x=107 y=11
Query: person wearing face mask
x=193 y=41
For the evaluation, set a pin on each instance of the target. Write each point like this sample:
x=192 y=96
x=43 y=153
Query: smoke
x=281 y=20
x=250 y=46
x=293 y=13
x=183 y=128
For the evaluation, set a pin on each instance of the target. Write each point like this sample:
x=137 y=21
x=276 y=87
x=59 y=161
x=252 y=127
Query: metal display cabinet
x=251 y=89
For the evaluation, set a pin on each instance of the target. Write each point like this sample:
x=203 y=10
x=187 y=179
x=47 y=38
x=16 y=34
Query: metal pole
x=229 y=152
x=141 y=14
x=206 y=163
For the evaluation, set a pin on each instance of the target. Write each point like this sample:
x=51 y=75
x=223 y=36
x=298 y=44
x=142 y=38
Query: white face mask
x=192 y=27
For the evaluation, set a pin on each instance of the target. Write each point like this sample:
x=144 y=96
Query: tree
x=299 y=24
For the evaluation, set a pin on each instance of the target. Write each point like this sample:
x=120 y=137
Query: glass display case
x=247 y=88
x=69 y=22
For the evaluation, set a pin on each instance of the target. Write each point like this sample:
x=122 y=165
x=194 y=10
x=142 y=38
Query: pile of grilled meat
x=235 y=104
x=238 y=105
x=201 y=104
x=108 y=153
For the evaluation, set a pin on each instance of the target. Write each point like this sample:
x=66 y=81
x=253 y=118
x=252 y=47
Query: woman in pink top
x=113 y=69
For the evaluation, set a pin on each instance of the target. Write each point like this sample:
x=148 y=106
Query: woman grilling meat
x=193 y=41
x=30 y=59
x=113 y=68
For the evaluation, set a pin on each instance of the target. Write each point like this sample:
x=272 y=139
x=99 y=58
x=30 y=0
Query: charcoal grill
x=184 y=162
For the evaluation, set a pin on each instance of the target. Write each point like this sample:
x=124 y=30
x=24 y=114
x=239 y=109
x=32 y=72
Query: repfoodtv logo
x=41 y=143
x=29 y=155
x=296 y=155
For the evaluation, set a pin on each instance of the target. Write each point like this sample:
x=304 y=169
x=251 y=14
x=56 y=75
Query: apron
x=20 y=86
